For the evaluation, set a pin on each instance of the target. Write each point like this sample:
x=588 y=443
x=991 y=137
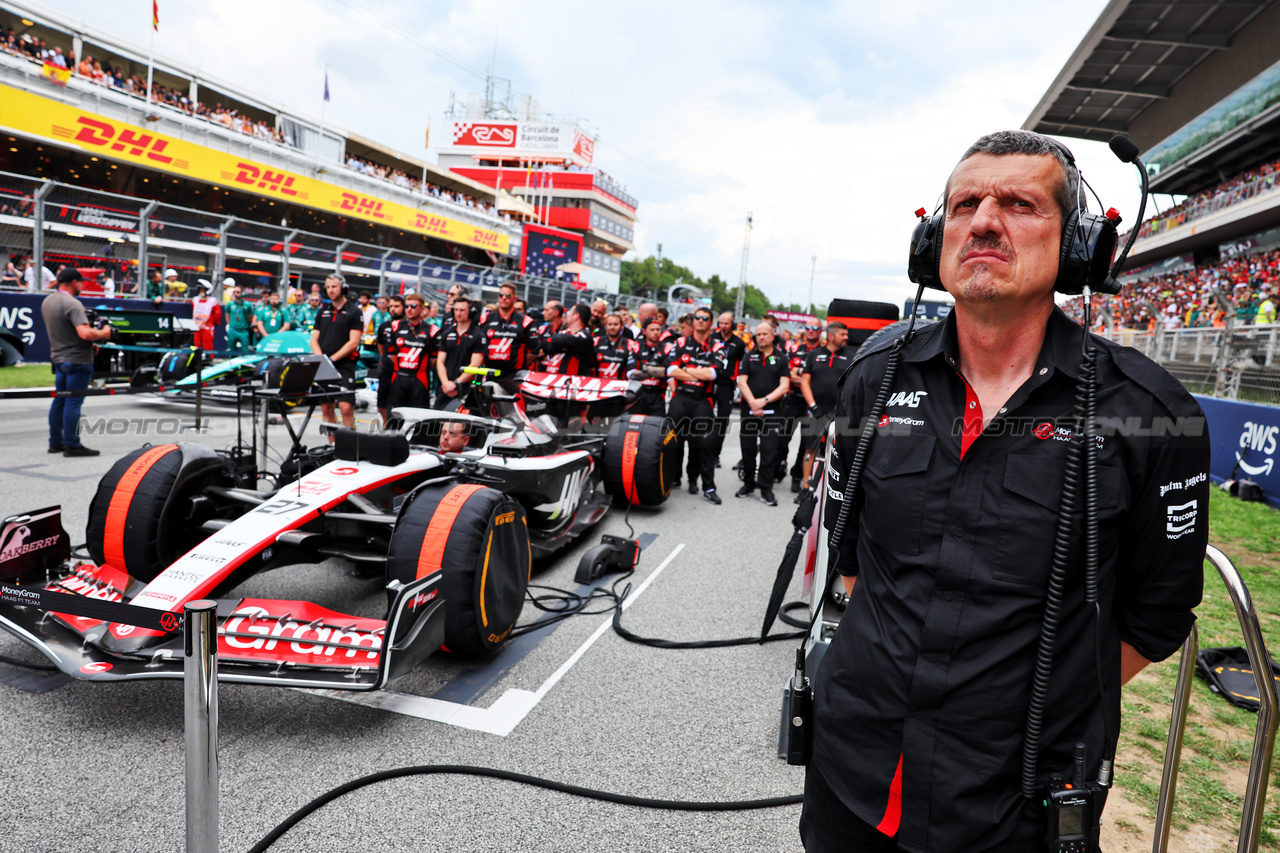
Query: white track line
x=511 y=707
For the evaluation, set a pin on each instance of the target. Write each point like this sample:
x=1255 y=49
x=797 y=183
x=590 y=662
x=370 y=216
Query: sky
x=830 y=122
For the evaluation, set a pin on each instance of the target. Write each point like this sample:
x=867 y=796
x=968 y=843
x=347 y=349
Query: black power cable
x=492 y=773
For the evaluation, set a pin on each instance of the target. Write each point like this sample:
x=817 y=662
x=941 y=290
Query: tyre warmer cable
x=493 y=773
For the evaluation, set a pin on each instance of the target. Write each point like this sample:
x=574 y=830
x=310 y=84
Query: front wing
x=260 y=641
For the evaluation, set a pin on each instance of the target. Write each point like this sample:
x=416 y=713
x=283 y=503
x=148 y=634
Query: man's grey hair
x=336 y=276
x=1005 y=142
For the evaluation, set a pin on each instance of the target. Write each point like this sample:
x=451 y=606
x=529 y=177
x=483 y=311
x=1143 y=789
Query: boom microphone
x=1123 y=147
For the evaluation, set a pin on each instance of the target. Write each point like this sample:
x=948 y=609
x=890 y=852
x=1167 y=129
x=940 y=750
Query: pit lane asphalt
x=100 y=766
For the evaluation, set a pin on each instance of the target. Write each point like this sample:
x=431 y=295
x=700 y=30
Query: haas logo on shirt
x=910 y=399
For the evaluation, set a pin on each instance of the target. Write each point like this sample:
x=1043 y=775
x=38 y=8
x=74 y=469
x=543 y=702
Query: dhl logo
x=482 y=238
x=135 y=143
x=505 y=518
x=427 y=222
x=252 y=176
x=362 y=205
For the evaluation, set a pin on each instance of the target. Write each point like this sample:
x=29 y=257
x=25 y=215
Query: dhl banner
x=28 y=114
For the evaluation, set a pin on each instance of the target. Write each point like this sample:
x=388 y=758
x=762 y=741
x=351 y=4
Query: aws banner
x=20 y=313
x=33 y=115
x=1246 y=435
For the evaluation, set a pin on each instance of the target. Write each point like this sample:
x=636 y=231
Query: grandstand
x=588 y=218
x=208 y=178
x=1197 y=88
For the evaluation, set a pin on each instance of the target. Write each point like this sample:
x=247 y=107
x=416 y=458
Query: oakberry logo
x=1045 y=430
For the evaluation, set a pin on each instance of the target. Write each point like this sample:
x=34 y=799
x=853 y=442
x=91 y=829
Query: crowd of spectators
x=1246 y=185
x=94 y=70
x=400 y=178
x=1185 y=299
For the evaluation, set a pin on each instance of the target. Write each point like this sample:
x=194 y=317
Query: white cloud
x=831 y=122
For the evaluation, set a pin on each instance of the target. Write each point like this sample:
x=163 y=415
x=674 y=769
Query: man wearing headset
x=921 y=700
x=338 y=329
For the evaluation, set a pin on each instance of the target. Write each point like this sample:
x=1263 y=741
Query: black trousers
x=695 y=427
x=724 y=408
x=649 y=401
x=764 y=433
x=828 y=826
x=793 y=412
x=405 y=391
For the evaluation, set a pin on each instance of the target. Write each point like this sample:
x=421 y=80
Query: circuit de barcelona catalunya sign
x=33 y=115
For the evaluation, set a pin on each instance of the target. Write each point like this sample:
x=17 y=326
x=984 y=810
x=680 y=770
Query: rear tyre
x=479 y=539
x=637 y=465
x=142 y=517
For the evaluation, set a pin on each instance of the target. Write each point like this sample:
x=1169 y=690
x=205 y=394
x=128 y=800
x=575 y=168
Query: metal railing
x=1163 y=222
x=130 y=236
x=1235 y=362
x=1264 y=737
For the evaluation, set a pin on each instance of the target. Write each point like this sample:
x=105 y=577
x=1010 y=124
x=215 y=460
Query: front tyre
x=143 y=516
x=638 y=468
x=479 y=539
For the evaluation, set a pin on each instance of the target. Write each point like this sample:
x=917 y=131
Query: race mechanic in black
x=613 y=353
x=553 y=322
x=727 y=382
x=764 y=378
x=571 y=351
x=337 y=332
x=922 y=697
x=386 y=364
x=509 y=332
x=462 y=344
x=796 y=409
x=413 y=349
x=818 y=380
x=695 y=361
x=649 y=365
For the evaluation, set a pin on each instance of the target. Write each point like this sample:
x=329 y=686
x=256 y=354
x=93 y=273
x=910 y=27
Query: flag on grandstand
x=56 y=74
x=426 y=142
x=326 y=84
x=155 y=15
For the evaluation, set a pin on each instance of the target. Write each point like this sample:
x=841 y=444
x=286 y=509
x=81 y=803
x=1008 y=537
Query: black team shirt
x=734 y=349
x=922 y=697
x=509 y=341
x=687 y=352
x=764 y=374
x=412 y=349
x=458 y=347
x=825 y=369
x=335 y=326
x=612 y=358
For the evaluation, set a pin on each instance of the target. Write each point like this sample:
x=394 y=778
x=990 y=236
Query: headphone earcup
x=1088 y=246
x=926 y=252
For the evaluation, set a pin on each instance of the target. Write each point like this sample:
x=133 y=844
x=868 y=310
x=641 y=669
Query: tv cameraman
x=71 y=345
x=921 y=700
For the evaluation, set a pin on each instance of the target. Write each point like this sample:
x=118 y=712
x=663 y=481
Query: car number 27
x=281 y=506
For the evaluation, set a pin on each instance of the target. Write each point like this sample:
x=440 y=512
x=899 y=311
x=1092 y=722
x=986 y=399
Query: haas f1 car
x=452 y=536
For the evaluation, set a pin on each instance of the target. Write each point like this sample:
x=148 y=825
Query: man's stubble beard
x=981 y=286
